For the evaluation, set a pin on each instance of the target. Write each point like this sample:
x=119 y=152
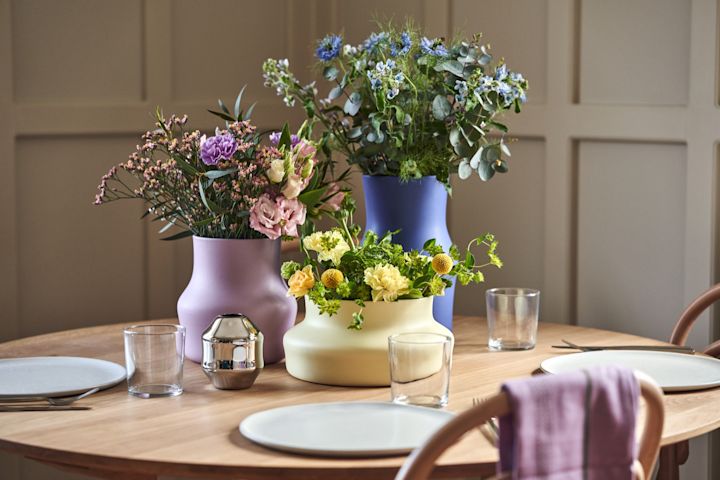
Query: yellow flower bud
x=442 y=263
x=332 y=277
x=301 y=282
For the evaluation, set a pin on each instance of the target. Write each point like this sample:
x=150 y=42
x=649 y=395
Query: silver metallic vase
x=232 y=352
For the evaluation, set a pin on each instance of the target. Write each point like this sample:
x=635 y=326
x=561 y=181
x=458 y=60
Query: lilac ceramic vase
x=236 y=276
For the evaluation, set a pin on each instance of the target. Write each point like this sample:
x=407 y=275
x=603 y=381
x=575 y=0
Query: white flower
x=293 y=186
x=330 y=246
x=276 y=172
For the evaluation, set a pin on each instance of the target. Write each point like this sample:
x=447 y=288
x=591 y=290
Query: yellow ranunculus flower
x=442 y=263
x=332 y=277
x=387 y=282
x=301 y=282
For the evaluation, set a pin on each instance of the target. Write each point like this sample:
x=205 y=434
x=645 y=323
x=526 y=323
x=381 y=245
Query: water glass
x=512 y=315
x=420 y=368
x=154 y=357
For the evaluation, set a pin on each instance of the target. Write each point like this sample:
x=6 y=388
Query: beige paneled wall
x=608 y=208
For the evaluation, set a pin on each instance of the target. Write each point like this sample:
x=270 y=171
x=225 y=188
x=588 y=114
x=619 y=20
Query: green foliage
x=404 y=105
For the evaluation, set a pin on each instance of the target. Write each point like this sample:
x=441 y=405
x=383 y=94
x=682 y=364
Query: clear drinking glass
x=512 y=315
x=154 y=357
x=420 y=368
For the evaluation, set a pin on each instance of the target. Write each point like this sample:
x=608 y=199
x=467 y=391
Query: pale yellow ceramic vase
x=321 y=349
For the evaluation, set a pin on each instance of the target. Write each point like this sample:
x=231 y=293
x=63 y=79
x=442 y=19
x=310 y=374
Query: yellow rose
x=387 y=282
x=442 y=263
x=301 y=282
x=332 y=277
x=330 y=245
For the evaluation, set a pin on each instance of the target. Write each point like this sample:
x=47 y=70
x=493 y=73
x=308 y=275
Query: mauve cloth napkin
x=578 y=425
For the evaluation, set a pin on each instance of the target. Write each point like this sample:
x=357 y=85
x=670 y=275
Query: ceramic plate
x=349 y=429
x=56 y=376
x=674 y=372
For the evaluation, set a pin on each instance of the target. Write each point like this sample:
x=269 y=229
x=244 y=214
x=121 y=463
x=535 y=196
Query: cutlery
x=658 y=348
x=54 y=401
x=490 y=430
x=40 y=408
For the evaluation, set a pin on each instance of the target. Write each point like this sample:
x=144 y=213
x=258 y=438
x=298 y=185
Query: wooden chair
x=419 y=465
x=672 y=456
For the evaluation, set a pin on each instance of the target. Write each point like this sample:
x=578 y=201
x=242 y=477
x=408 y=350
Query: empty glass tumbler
x=154 y=357
x=512 y=316
x=420 y=368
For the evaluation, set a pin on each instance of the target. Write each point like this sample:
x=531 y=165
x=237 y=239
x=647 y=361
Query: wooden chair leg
x=669 y=467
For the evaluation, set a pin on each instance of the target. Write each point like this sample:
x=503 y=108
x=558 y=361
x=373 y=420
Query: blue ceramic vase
x=418 y=209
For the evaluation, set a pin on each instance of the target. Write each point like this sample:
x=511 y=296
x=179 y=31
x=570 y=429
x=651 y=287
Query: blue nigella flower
x=501 y=72
x=433 y=47
x=516 y=77
x=461 y=87
x=503 y=89
x=393 y=93
x=403 y=47
x=329 y=47
x=520 y=94
x=374 y=40
x=399 y=77
x=390 y=64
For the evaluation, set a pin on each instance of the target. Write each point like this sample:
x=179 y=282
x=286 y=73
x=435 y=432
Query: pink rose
x=265 y=217
x=334 y=198
x=293 y=213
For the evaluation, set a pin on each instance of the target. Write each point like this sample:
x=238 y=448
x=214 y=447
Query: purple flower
x=219 y=147
x=275 y=139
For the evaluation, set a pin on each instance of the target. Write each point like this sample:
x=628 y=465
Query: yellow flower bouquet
x=341 y=267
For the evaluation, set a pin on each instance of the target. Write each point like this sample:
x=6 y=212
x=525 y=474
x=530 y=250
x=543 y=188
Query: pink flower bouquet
x=227 y=185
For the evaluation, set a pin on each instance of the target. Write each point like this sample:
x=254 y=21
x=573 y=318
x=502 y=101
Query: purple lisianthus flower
x=219 y=147
x=275 y=138
x=329 y=47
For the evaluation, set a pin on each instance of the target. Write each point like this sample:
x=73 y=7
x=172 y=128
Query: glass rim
x=513 y=291
x=132 y=330
x=439 y=338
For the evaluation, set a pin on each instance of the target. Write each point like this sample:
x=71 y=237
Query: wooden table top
x=196 y=434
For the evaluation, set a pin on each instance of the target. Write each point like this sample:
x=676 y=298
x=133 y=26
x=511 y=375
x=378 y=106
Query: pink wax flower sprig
x=230 y=184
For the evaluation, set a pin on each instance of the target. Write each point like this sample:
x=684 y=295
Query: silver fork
x=54 y=401
x=489 y=429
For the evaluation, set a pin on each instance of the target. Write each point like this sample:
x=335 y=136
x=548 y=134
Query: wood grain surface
x=196 y=434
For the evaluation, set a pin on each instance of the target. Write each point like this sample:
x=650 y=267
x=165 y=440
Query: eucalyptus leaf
x=354 y=133
x=505 y=149
x=475 y=160
x=441 y=107
x=331 y=72
x=501 y=166
x=452 y=66
x=485 y=171
x=352 y=105
x=335 y=92
x=464 y=169
x=454 y=137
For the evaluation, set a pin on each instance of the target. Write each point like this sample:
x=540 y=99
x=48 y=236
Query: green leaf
x=500 y=126
x=186 y=167
x=208 y=203
x=246 y=115
x=223 y=107
x=352 y=105
x=330 y=73
x=227 y=117
x=238 y=100
x=335 y=92
x=485 y=170
x=429 y=244
x=285 y=138
x=469 y=260
x=452 y=66
x=312 y=197
x=440 y=107
x=177 y=236
x=213 y=174
x=167 y=227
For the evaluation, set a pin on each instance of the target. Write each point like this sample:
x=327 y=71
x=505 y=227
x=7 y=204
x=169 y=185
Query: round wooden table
x=196 y=434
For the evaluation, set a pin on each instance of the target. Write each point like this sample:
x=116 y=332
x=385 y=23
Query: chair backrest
x=691 y=313
x=420 y=463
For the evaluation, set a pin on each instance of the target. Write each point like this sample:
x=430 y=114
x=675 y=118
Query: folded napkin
x=578 y=425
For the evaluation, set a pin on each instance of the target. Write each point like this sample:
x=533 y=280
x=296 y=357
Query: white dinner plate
x=347 y=429
x=56 y=376
x=674 y=372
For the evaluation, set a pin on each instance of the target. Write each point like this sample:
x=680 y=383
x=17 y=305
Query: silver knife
x=39 y=408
